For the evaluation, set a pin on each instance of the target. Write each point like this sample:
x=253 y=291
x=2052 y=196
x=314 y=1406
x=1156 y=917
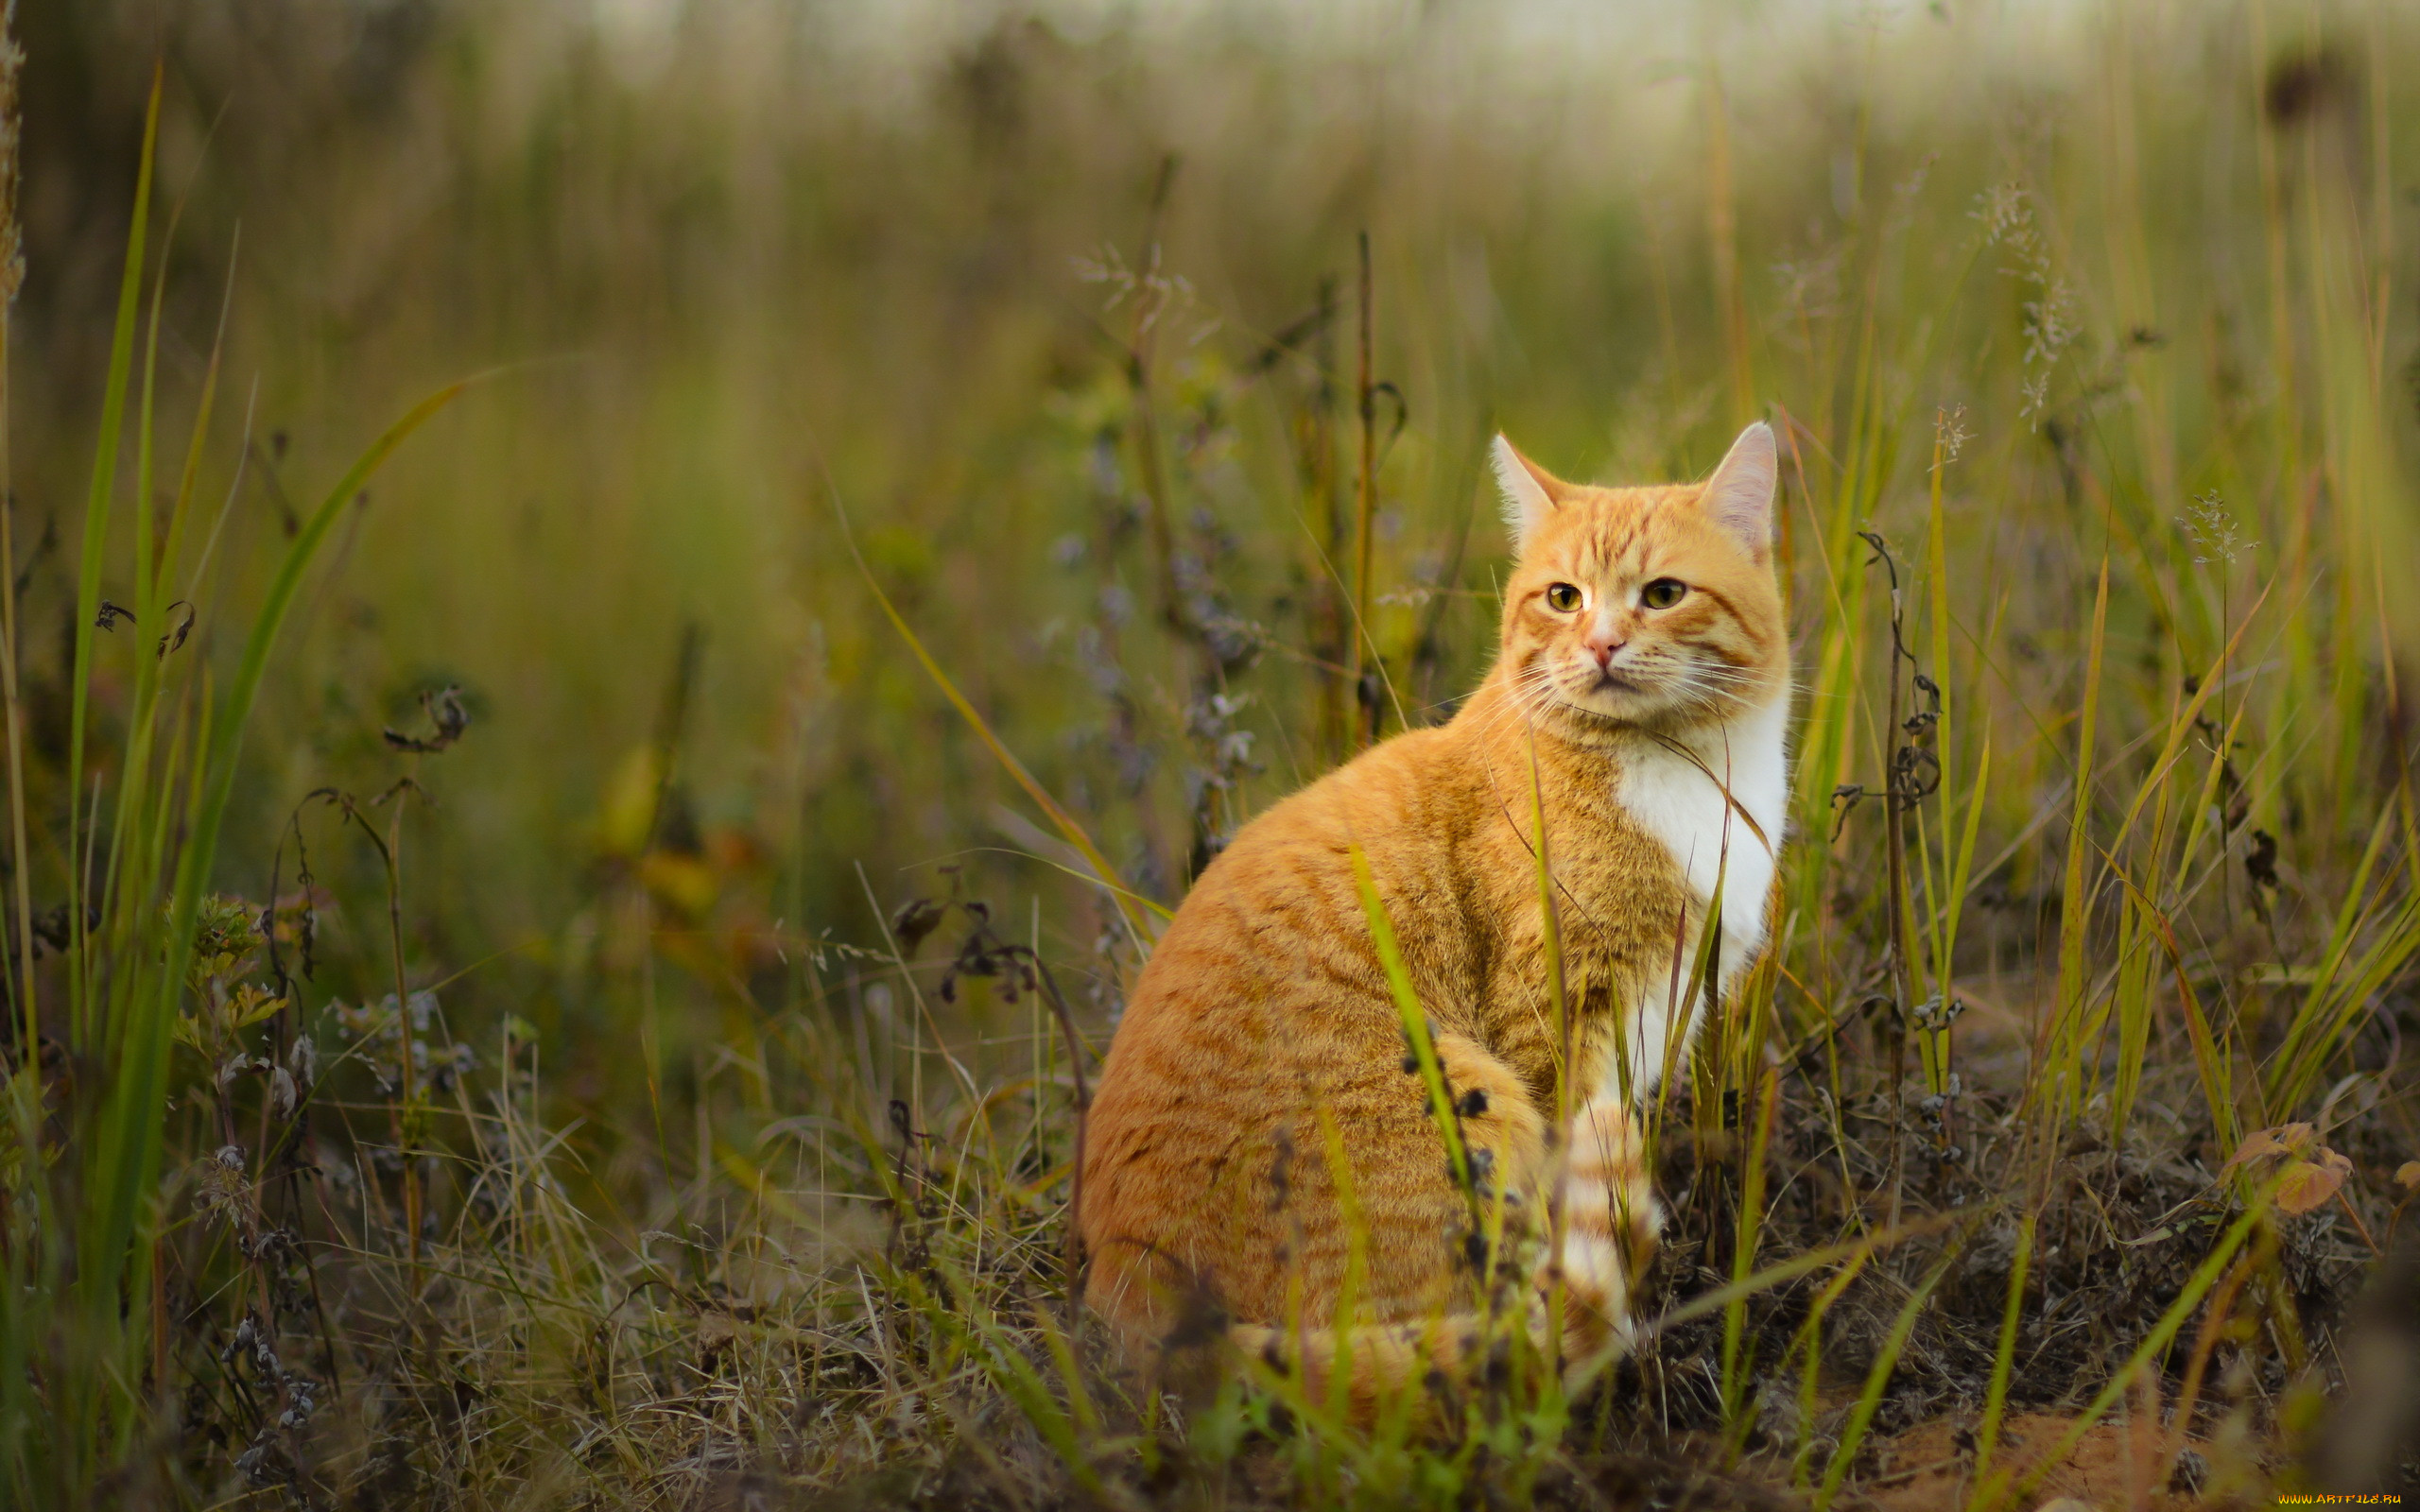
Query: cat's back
x=1283 y=893
x=1270 y=951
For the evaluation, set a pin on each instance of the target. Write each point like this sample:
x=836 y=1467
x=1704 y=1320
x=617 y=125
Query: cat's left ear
x=1739 y=496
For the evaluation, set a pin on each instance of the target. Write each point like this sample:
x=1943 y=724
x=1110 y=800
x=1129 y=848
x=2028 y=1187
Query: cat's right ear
x=1528 y=491
x=1740 y=493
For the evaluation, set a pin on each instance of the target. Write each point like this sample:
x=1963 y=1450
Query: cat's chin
x=1626 y=703
x=1614 y=704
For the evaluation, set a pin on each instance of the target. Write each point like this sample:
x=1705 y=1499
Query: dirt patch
x=2116 y=1466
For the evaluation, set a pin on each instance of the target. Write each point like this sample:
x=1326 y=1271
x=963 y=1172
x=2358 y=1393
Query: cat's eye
x=1562 y=599
x=1663 y=593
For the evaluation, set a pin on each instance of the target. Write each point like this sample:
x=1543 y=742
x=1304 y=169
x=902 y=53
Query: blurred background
x=735 y=266
x=734 y=269
x=1058 y=305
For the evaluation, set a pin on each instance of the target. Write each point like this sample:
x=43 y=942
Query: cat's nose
x=1605 y=648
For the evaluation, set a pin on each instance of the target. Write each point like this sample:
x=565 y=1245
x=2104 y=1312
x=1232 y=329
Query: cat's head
x=1645 y=606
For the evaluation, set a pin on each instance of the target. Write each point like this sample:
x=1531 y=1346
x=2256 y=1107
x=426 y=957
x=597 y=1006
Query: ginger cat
x=1644 y=658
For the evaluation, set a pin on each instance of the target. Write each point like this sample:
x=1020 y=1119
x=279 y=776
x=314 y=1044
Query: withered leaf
x=180 y=625
x=446 y=716
x=916 y=919
x=2307 y=1184
x=2285 y=1139
x=2261 y=861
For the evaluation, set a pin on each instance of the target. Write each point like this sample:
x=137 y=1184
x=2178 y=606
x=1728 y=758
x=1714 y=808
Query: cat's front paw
x=1611 y=1217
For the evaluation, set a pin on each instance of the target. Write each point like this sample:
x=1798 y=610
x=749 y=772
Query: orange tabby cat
x=1643 y=660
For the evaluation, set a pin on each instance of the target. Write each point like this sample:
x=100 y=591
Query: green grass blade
x=1987 y=1434
x=2059 y=1063
x=1414 y=1019
x=96 y=530
x=1869 y=1401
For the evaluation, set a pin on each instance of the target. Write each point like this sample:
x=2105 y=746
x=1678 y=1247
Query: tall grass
x=693 y=1118
x=79 y=1350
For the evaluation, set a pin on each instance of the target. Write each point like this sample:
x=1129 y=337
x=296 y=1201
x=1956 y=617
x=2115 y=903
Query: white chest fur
x=1694 y=807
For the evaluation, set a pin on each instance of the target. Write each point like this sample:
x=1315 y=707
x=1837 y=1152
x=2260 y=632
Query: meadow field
x=623 y=618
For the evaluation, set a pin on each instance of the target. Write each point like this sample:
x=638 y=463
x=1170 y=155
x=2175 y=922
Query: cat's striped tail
x=1611 y=1220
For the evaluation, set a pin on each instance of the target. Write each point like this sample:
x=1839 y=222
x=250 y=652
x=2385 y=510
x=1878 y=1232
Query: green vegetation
x=603 y=699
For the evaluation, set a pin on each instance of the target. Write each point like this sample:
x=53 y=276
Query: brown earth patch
x=2116 y=1466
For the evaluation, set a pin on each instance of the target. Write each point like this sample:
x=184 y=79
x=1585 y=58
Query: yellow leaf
x=250 y=1005
x=2307 y=1184
x=626 y=816
x=685 y=883
x=2407 y=1176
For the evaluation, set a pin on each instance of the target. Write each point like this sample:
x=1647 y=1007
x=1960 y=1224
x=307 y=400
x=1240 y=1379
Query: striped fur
x=1258 y=1146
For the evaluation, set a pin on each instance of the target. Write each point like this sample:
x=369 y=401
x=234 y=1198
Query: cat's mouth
x=1597 y=693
